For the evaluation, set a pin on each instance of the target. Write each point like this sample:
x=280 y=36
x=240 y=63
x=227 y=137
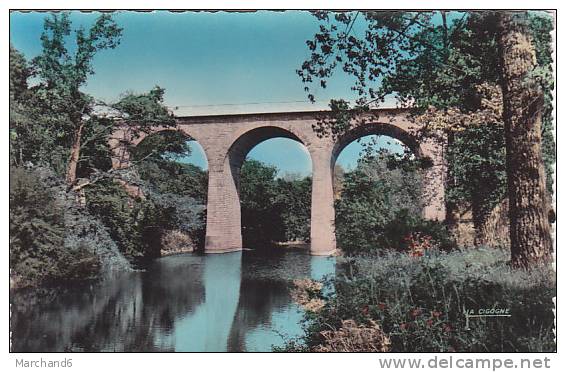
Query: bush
x=137 y=225
x=364 y=227
x=293 y=201
x=419 y=302
x=37 y=228
x=406 y=228
x=175 y=193
x=131 y=223
x=380 y=208
x=108 y=201
x=173 y=212
x=176 y=241
x=51 y=236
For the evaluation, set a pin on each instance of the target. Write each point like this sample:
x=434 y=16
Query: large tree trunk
x=522 y=115
x=74 y=158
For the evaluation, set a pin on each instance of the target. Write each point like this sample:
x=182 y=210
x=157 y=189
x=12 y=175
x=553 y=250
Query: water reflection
x=229 y=302
x=207 y=328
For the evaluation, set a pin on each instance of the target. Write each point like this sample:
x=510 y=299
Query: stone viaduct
x=227 y=139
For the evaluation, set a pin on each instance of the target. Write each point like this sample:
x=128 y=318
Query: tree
x=63 y=74
x=523 y=102
x=19 y=74
x=378 y=204
x=36 y=133
x=261 y=219
x=424 y=60
x=293 y=202
x=442 y=64
x=274 y=209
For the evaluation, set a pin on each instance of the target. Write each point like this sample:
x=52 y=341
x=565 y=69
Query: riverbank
x=419 y=304
x=295 y=244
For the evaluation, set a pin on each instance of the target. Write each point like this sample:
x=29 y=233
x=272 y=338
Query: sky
x=208 y=63
x=291 y=157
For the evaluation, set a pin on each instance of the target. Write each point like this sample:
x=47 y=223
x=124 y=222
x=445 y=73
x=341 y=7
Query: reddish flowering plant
x=416 y=312
x=381 y=306
x=417 y=244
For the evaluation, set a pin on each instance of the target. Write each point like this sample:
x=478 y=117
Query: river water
x=227 y=302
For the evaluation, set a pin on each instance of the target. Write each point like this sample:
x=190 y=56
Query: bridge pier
x=223 y=218
x=433 y=182
x=323 y=238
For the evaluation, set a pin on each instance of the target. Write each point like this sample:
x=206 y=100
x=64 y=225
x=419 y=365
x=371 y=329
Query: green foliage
x=294 y=200
x=361 y=212
x=36 y=226
x=95 y=156
x=477 y=158
x=380 y=206
x=19 y=74
x=273 y=209
x=145 y=110
x=420 y=301
x=127 y=220
x=44 y=126
x=178 y=190
x=47 y=115
x=162 y=146
x=430 y=59
x=32 y=137
x=38 y=249
x=167 y=176
x=261 y=219
x=541 y=26
x=398 y=232
x=63 y=73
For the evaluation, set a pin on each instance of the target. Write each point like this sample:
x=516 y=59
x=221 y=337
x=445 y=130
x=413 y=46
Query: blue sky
x=292 y=157
x=208 y=63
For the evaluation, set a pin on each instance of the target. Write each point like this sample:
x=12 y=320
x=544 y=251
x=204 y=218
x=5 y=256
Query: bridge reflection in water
x=236 y=301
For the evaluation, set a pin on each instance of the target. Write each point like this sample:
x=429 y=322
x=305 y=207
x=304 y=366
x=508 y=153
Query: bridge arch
x=124 y=139
x=224 y=223
x=433 y=177
x=246 y=141
x=380 y=129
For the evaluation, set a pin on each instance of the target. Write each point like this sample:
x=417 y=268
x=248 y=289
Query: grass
x=419 y=303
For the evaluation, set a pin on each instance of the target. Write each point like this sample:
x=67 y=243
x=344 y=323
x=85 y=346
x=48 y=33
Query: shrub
x=308 y=294
x=406 y=228
x=109 y=202
x=380 y=208
x=176 y=241
x=351 y=337
x=36 y=228
x=175 y=193
x=81 y=264
x=419 y=302
x=51 y=236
